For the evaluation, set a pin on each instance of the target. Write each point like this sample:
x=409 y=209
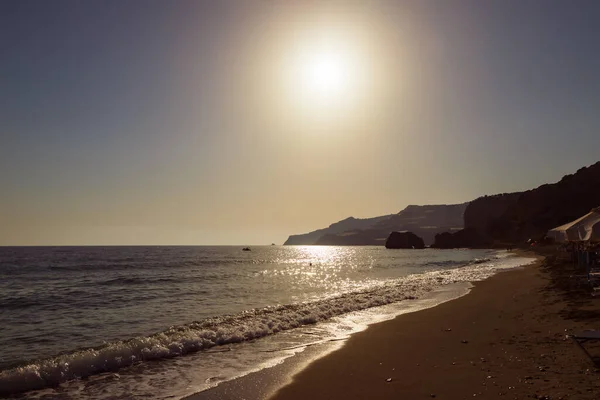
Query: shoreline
x=282 y=381
x=506 y=339
x=331 y=319
x=264 y=382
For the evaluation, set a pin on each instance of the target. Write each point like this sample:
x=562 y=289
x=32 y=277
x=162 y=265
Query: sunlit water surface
x=76 y=315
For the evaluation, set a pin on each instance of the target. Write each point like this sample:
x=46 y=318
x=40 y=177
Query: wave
x=223 y=330
x=480 y=260
x=445 y=263
x=457 y=263
x=18 y=302
x=132 y=280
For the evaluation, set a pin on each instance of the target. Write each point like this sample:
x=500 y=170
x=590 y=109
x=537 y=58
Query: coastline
x=264 y=382
x=505 y=339
x=401 y=285
x=514 y=326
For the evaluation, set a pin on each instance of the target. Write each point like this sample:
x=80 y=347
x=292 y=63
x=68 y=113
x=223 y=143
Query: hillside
x=347 y=224
x=484 y=214
x=425 y=221
x=501 y=218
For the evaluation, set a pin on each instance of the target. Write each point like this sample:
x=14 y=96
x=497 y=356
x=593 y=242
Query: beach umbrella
x=595 y=234
x=586 y=228
x=558 y=234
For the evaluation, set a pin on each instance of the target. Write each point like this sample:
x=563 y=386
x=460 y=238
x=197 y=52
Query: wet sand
x=505 y=339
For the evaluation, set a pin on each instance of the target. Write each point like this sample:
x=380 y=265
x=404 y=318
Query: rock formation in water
x=404 y=240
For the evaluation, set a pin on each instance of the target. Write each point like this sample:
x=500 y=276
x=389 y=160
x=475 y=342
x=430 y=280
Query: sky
x=242 y=122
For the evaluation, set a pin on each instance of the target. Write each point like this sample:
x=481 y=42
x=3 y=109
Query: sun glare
x=324 y=75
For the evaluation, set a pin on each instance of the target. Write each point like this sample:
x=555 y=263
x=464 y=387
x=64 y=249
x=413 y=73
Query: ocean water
x=168 y=321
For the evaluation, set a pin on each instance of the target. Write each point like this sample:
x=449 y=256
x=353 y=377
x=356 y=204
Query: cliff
x=467 y=237
x=517 y=217
x=425 y=221
x=484 y=214
x=538 y=210
x=488 y=220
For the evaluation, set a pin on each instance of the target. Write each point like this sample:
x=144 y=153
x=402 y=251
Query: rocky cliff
x=538 y=210
x=425 y=221
x=503 y=218
x=484 y=214
x=517 y=217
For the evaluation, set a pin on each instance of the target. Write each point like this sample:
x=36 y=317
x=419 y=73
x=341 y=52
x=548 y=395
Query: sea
x=164 y=322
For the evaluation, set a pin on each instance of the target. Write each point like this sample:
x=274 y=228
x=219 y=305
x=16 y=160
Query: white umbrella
x=581 y=230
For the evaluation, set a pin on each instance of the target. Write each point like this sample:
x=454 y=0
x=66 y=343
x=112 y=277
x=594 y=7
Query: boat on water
x=246 y=249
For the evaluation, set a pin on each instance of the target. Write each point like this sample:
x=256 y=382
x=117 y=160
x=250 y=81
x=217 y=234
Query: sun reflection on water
x=323 y=269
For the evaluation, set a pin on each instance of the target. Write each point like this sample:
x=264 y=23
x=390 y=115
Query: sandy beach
x=505 y=339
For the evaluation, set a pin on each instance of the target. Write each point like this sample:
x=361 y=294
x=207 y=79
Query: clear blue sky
x=148 y=122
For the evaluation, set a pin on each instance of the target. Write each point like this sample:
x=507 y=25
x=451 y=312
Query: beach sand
x=505 y=339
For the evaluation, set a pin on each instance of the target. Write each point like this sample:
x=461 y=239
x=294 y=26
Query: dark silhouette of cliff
x=468 y=237
x=488 y=220
x=425 y=221
x=484 y=214
x=517 y=217
x=548 y=206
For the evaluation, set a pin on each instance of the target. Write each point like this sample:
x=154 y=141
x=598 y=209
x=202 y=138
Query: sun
x=325 y=75
x=320 y=76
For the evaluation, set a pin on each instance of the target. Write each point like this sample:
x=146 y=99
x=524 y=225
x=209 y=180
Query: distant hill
x=347 y=224
x=488 y=220
x=425 y=221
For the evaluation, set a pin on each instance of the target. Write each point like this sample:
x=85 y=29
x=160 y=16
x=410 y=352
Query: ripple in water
x=90 y=312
